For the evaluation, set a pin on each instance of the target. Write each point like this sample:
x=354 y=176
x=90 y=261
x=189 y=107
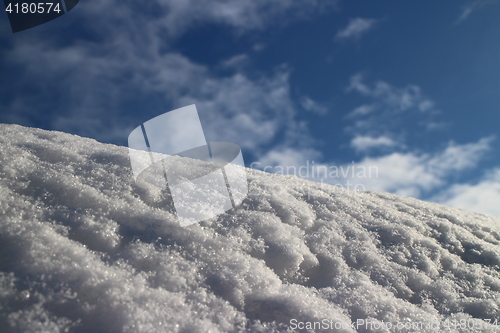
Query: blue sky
x=411 y=88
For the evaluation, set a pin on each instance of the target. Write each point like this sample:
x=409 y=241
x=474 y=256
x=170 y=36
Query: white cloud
x=436 y=126
x=355 y=28
x=410 y=174
x=356 y=83
x=413 y=174
x=388 y=107
x=361 y=111
x=243 y=111
x=365 y=143
x=404 y=174
x=312 y=106
x=96 y=83
x=286 y=156
x=459 y=157
x=482 y=197
x=397 y=99
x=473 y=6
x=174 y=17
x=236 y=62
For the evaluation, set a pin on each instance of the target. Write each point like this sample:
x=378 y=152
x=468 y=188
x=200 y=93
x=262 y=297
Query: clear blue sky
x=411 y=88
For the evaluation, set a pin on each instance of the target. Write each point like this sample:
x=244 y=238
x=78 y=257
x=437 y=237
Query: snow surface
x=85 y=249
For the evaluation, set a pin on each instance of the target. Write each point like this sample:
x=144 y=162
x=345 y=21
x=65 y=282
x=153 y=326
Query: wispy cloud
x=387 y=108
x=355 y=28
x=482 y=197
x=105 y=88
x=473 y=6
x=242 y=110
x=361 y=110
x=312 y=106
x=409 y=174
x=396 y=167
x=366 y=143
x=237 y=62
x=415 y=174
x=396 y=98
x=175 y=17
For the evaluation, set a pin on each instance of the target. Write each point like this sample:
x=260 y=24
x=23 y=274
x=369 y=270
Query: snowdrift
x=84 y=249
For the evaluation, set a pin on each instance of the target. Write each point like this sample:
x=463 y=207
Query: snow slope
x=84 y=249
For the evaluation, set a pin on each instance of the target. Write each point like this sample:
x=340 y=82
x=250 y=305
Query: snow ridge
x=85 y=249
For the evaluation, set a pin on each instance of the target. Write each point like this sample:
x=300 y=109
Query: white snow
x=84 y=249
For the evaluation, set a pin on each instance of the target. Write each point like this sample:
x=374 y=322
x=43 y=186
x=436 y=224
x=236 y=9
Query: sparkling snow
x=85 y=249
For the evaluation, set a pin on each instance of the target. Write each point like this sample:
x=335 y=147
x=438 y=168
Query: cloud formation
x=175 y=17
x=355 y=28
x=473 y=6
x=387 y=163
x=365 y=143
x=105 y=86
x=416 y=174
x=394 y=98
x=410 y=173
x=482 y=197
x=387 y=108
x=312 y=106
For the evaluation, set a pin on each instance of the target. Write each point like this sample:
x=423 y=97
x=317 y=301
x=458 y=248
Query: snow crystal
x=83 y=248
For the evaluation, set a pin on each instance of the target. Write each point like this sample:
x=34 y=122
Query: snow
x=85 y=249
